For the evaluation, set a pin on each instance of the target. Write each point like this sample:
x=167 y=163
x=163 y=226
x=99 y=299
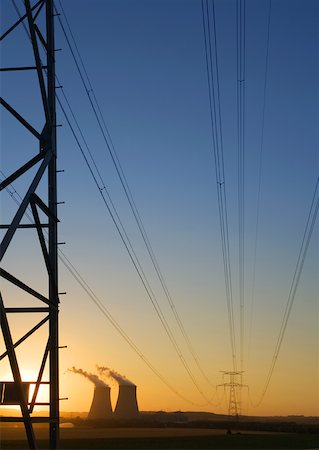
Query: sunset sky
x=146 y=63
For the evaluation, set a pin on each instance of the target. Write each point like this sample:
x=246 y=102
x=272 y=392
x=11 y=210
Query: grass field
x=93 y=439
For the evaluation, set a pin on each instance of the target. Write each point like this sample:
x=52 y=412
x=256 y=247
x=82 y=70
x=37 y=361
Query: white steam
x=90 y=376
x=121 y=379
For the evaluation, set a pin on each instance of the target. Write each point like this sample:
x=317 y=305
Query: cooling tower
x=126 y=406
x=101 y=405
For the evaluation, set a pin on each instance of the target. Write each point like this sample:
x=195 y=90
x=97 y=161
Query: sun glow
x=28 y=375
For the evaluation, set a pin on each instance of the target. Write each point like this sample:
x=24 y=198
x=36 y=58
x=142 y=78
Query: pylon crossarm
x=19 y=68
x=27 y=310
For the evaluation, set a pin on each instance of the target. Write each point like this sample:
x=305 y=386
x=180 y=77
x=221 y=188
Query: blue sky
x=146 y=62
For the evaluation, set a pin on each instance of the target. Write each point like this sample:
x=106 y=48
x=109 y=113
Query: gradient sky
x=146 y=62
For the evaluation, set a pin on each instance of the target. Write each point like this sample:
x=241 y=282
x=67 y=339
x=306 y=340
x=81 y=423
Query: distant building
x=101 y=407
x=126 y=406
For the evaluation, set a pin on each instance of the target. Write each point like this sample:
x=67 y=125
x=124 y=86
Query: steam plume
x=94 y=378
x=121 y=379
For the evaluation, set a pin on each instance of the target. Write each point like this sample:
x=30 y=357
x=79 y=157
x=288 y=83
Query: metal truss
x=44 y=214
x=235 y=386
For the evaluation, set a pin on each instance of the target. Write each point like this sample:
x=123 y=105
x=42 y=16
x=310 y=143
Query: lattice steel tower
x=235 y=386
x=41 y=206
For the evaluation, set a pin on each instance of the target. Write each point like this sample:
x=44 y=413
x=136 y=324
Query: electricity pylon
x=38 y=19
x=235 y=385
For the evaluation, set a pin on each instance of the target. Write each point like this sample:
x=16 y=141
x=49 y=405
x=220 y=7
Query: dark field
x=163 y=439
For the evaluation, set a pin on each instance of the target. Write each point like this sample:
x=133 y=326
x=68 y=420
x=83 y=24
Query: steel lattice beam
x=46 y=161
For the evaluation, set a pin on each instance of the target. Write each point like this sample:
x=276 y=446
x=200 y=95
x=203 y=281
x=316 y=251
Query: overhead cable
x=260 y=169
x=309 y=227
x=241 y=63
x=132 y=255
x=210 y=40
x=126 y=242
x=100 y=305
x=123 y=180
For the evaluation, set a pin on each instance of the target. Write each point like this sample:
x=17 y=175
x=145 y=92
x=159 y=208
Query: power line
x=260 y=170
x=115 y=324
x=100 y=305
x=217 y=138
x=123 y=180
x=134 y=259
x=310 y=223
x=123 y=235
x=241 y=37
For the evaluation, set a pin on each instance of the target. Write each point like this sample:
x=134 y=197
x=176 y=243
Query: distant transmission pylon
x=41 y=204
x=235 y=386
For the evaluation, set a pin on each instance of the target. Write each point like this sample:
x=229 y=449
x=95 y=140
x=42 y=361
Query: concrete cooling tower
x=101 y=405
x=126 y=406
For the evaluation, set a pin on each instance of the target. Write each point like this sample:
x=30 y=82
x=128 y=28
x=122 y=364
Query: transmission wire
x=261 y=150
x=311 y=220
x=134 y=260
x=217 y=138
x=128 y=193
x=100 y=305
x=127 y=244
x=241 y=33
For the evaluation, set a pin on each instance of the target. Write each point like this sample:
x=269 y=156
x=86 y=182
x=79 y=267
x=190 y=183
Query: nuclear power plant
x=101 y=407
x=126 y=406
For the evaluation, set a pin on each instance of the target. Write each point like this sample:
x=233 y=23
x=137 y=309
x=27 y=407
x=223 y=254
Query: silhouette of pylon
x=235 y=385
